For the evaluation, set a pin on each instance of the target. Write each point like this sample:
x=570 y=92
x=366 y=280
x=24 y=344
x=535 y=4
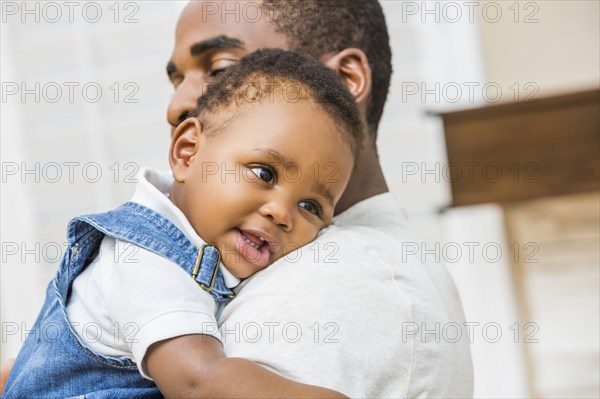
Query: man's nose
x=184 y=100
x=280 y=212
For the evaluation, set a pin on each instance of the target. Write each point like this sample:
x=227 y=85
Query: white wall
x=55 y=142
x=554 y=45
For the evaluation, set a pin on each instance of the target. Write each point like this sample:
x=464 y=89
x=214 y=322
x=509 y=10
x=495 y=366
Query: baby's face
x=267 y=183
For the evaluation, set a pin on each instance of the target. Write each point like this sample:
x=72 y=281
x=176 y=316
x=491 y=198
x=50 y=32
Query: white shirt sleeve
x=143 y=297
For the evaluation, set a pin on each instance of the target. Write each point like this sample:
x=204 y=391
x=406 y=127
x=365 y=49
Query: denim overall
x=53 y=362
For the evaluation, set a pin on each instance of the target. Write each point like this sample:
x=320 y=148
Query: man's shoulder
x=352 y=286
x=375 y=230
x=368 y=251
x=360 y=253
x=381 y=211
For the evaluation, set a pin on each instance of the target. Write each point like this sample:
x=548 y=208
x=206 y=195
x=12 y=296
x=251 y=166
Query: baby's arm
x=196 y=366
x=171 y=344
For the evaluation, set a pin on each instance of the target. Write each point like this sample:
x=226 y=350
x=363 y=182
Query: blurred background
x=490 y=139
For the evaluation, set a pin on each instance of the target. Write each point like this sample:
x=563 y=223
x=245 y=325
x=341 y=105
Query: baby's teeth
x=251 y=243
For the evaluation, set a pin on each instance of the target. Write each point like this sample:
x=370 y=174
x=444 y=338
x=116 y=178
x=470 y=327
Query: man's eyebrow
x=280 y=159
x=213 y=43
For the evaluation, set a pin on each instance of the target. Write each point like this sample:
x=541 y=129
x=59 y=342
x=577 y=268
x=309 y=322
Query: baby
x=256 y=172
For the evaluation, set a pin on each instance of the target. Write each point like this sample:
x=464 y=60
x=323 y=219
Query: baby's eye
x=311 y=207
x=264 y=174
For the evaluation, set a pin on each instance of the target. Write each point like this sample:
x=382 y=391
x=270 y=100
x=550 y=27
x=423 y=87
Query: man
x=350 y=312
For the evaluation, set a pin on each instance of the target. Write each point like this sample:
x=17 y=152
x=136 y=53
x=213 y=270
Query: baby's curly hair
x=265 y=73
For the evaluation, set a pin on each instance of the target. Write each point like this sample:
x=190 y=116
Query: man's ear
x=185 y=143
x=353 y=67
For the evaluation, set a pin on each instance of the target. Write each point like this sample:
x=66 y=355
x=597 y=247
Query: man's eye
x=220 y=65
x=264 y=174
x=311 y=207
x=216 y=72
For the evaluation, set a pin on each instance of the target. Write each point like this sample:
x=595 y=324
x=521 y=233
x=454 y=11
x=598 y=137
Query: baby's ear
x=184 y=146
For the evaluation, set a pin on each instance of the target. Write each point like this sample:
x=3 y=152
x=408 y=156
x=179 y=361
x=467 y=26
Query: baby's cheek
x=236 y=266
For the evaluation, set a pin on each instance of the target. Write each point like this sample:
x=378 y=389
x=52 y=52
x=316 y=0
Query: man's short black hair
x=266 y=73
x=318 y=27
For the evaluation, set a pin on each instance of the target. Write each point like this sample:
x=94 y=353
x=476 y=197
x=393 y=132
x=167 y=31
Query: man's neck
x=366 y=182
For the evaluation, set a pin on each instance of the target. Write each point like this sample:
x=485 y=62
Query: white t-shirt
x=351 y=312
x=129 y=298
x=346 y=312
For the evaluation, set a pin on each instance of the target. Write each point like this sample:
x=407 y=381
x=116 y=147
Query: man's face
x=261 y=187
x=208 y=39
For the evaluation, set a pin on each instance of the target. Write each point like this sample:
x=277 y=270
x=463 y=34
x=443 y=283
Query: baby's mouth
x=256 y=241
x=255 y=246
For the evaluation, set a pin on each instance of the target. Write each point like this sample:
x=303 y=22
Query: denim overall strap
x=142 y=226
